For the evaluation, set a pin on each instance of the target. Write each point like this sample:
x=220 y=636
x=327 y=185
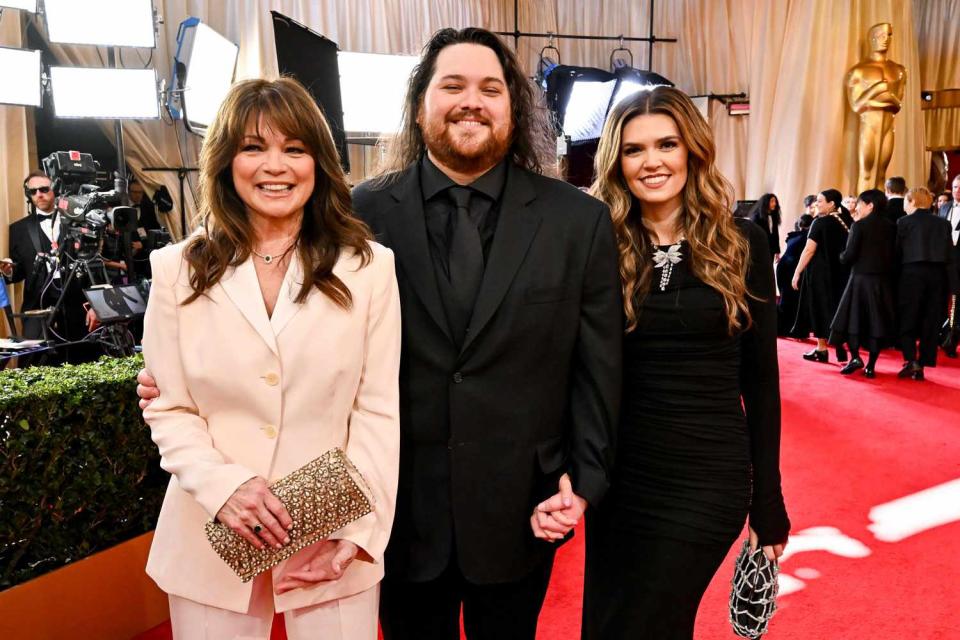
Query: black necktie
x=466 y=257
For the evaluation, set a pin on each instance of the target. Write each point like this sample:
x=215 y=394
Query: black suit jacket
x=925 y=237
x=945 y=214
x=870 y=246
x=894 y=210
x=26 y=241
x=487 y=429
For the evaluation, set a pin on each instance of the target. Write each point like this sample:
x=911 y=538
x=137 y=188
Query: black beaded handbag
x=753 y=598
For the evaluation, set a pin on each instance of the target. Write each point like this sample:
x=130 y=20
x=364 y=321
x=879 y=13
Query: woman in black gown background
x=790 y=298
x=766 y=214
x=866 y=313
x=699 y=436
x=824 y=276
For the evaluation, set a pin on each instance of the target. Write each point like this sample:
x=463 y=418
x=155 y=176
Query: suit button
x=270 y=431
x=457 y=378
x=272 y=379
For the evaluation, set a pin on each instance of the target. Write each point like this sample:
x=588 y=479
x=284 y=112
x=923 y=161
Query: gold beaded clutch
x=321 y=497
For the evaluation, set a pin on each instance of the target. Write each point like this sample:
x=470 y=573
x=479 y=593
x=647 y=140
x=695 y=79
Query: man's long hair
x=532 y=144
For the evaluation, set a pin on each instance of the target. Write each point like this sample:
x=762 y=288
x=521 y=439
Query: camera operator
x=33 y=244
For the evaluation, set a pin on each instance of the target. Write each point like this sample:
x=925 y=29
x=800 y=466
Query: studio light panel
x=110 y=23
x=104 y=93
x=25 y=5
x=587 y=109
x=21 y=77
x=210 y=62
x=373 y=87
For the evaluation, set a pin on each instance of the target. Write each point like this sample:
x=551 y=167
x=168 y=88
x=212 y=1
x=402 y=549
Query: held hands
x=324 y=561
x=773 y=552
x=557 y=515
x=257 y=515
x=6 y=267
x=146 y=389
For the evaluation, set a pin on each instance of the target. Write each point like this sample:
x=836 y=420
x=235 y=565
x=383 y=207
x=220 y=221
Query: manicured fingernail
x=289 y=526
x=279 y=546
x=567 y=502
x=286 y=540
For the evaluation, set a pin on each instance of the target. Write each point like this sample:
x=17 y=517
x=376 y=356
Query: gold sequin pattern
x=321 y=497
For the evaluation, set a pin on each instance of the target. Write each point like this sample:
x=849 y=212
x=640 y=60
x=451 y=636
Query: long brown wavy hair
x=532 y=145
x=719 y=252
x=328 y=226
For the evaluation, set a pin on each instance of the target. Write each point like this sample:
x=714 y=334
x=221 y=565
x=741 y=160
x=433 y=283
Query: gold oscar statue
x=875 y=91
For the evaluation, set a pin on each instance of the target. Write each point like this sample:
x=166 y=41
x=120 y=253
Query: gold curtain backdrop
x=789 y=56
x=938 y=23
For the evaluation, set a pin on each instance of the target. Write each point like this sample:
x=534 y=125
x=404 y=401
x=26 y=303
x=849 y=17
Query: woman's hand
x=146 y=388
x=324 y=561
x=257 y=515
x=773 y=552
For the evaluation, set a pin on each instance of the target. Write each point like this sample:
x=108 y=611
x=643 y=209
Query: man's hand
x=557 y=515
x=146 y=389
x=6 y=267
x=92 y=322
x=321 y=562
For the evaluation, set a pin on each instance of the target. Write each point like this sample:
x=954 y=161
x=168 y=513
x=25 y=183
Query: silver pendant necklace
x=665 y=260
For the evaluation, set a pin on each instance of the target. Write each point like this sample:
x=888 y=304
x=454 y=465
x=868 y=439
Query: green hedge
x=78 y=471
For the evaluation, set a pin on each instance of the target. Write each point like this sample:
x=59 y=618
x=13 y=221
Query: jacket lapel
x=287 y=305
x=242 y=287
x=516 y=228
x=408 y=240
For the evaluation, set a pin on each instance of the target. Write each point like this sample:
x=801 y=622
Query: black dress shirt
x=440 y=210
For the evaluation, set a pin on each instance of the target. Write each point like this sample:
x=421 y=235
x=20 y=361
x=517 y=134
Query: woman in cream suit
x=273 y=334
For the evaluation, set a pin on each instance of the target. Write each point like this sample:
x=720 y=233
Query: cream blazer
x=244 y=395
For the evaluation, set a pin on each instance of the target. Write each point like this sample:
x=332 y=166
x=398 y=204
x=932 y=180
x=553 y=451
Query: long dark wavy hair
x=719 y=252
x=328 y=226
x=532 y=145
x=762 y=209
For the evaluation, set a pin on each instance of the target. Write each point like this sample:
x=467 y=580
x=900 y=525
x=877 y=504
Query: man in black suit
x=510 y=375
x=950 y=211
x=928 y=277
x=35 y=244
x=894 y=188
x=32 y=239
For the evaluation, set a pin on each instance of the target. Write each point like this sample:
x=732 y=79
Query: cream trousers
x=350 y=618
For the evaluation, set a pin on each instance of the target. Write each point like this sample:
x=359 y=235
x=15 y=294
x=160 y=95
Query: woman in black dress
x=865 y=316
x=824 y=276
x=766 y=215
x=701 y=407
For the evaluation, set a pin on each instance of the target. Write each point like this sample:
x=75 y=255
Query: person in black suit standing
x=32 y=240
x=894 y=189
x=512 y=325
x=950 y=211
x=865 y=316
x=928 y=276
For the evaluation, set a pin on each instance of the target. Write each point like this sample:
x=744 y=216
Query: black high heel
x=817 y=356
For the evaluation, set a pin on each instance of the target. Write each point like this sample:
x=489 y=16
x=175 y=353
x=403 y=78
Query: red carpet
x=855 y=571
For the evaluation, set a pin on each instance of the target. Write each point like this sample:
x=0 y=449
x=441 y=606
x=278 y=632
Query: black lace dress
x=697 y=451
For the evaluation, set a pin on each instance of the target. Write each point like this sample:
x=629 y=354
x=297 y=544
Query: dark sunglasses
x=40 y=189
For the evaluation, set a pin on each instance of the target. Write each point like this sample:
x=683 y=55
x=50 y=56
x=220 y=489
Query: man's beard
x=441 y=144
